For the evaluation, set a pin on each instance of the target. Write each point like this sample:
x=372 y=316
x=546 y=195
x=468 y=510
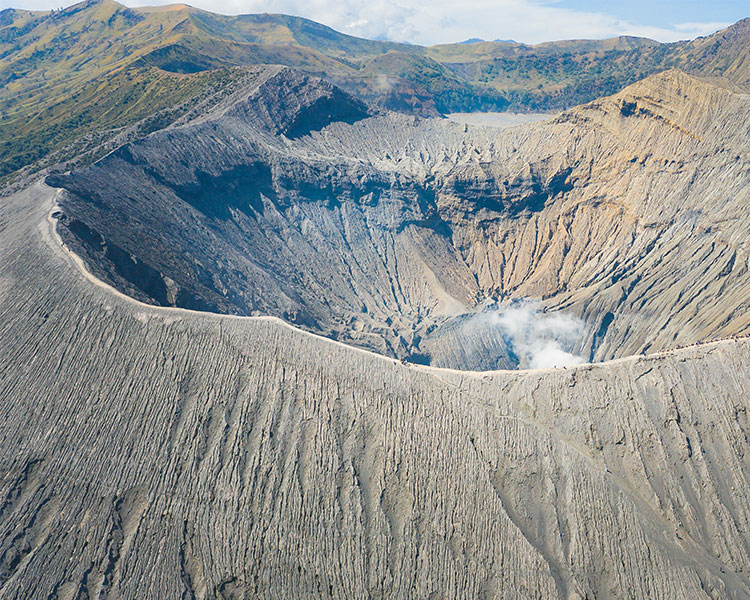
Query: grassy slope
x=70 y=72
x=105 y=104
x=99 y=65
x=96 y=65
x=560 y=74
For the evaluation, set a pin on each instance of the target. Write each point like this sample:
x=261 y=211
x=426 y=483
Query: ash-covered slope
x=157 y=453
x=386 y=231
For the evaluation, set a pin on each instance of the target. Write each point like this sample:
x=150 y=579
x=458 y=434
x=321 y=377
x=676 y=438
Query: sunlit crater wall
x=398 y=234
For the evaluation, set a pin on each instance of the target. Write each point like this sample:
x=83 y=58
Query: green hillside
x=99 y=66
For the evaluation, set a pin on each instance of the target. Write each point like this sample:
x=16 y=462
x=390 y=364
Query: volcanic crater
x=431 y=241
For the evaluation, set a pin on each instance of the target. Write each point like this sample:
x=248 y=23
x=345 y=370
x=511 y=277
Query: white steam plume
x=540 y=340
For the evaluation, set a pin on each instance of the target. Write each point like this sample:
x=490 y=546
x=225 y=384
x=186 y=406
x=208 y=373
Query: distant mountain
x=99 y=67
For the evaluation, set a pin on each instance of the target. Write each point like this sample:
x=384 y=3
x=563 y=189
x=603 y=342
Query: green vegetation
x=98 y=66
x=131 y=95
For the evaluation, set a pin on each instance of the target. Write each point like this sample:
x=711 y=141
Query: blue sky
x=444 y=21
x=665 y=13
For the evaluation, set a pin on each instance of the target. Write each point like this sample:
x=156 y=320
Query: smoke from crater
x=540 y=340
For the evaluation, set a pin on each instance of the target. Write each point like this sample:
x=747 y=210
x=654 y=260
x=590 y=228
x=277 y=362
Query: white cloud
x=443 y=21
x=440 y=21
x=700 y=28
x=540 y=340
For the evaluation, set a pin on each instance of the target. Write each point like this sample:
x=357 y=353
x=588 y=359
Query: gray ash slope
x=152 y=452
x=156 y=452
x=384 y=231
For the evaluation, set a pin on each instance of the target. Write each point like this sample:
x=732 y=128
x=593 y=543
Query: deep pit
x=548 y=244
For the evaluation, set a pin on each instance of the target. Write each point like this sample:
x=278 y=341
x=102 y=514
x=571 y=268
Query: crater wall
x=628 y=213
x=154 y=452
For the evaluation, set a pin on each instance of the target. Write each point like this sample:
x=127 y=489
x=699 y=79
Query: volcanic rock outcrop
x=388 y=232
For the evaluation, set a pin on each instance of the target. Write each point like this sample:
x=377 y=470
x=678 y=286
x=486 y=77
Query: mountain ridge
x=47 y=99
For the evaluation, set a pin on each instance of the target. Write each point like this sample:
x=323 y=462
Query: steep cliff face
x=385 y=231
x=286 y=102
x=158 y=453
x=648 y=245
